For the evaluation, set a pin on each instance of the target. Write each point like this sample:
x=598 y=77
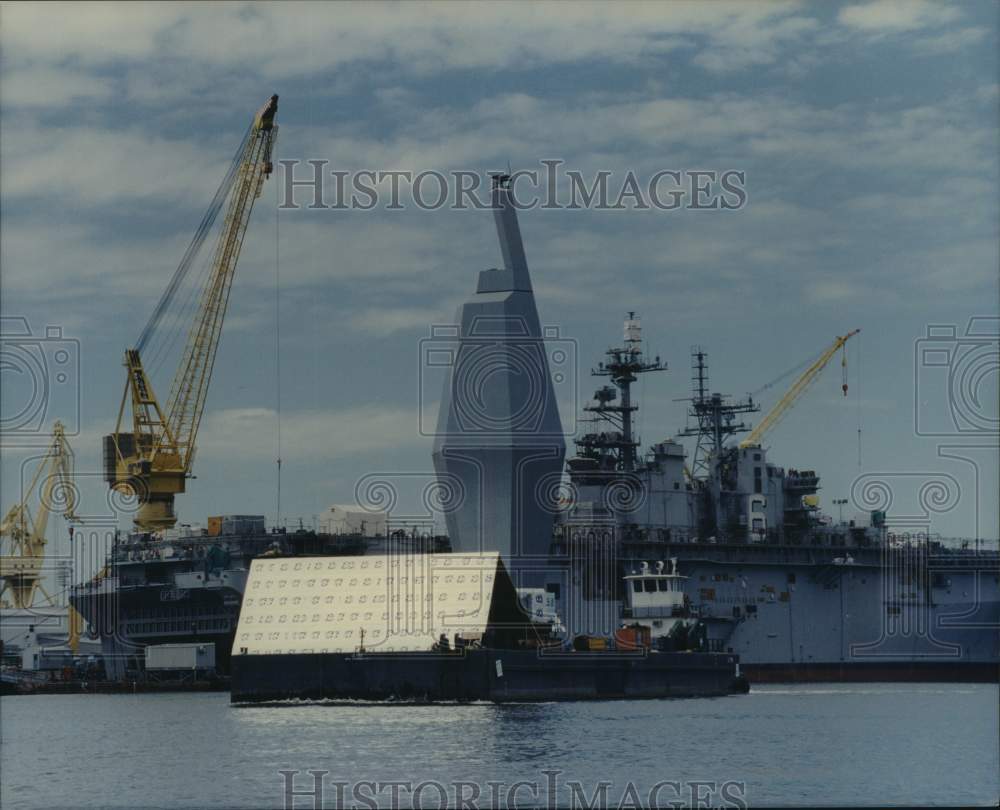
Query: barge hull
x=499 y=676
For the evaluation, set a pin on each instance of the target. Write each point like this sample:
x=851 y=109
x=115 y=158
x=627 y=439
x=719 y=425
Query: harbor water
x=828 y=744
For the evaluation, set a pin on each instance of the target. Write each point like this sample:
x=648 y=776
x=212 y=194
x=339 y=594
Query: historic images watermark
x=40 y=381
x=954 y=371
x=412 y=509
x=314 y=185
x=933 y=599
x=315 y=788
x=494 y=369
x=86 y=514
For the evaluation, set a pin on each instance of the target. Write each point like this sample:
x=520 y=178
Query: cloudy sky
x=868 y=134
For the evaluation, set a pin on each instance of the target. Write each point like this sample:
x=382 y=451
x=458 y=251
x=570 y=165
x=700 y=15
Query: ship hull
x=499 y=676
x=789 y=613
x=898 y=672
x=792 y=614
x=148 y=597
x=128 y=620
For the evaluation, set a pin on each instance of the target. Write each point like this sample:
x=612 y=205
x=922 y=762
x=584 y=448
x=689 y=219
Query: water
x=868 y=744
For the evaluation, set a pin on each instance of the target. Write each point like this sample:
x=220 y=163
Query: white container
x=180 y=656
x=350 y=519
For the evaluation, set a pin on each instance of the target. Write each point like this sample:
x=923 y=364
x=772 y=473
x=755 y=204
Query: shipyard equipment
x=23 y=533
x=152 y=460
x=799 y=387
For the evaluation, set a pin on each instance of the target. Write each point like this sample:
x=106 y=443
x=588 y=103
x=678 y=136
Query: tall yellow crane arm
x=155 y=459
x=797 y=389
x=190 y=387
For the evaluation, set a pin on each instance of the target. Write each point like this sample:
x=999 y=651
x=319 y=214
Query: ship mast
x=623 y=366
x=714 y=419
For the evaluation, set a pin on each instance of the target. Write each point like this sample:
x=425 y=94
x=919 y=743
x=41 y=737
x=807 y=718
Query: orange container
x=636 y=637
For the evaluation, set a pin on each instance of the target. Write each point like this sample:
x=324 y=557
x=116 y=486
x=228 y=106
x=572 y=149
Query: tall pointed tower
x=499 y=437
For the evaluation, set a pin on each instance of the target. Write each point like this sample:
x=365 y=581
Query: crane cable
x=277 y=338
x=159 y=336
x=785 y=374
x=196 y=243
x=857 y=394
x=176 y=324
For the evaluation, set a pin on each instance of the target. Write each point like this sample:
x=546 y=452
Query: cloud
x=98 y=32
x=250 y=434
x=102 y=165
x=49 y=86
x=297 y=39
x=384 y=321
x=950 y=41
x=893 y=16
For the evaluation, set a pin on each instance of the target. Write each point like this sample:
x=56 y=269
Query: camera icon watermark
x=39 y=379
x=415 y=504
x=956 y=377
x=933 y=592
x=499 y=380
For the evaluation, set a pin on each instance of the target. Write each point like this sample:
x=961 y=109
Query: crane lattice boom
x=155 y=459
x=24 y=534
x=797 y=390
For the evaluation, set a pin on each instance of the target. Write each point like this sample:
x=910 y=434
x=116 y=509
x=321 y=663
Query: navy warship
x=796 y=594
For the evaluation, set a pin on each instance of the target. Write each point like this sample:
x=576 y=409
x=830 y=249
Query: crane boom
x=21 y=562
x=155 y=459
x=797 y=389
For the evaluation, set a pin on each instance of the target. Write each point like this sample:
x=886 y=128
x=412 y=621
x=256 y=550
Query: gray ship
x=795 y=595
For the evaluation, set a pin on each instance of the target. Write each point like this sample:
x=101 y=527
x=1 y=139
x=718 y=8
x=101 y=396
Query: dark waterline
x=858 y=744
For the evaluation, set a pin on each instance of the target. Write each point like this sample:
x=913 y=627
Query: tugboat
x=655 y=604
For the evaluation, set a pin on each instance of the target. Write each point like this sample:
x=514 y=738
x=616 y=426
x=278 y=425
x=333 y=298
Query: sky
x=869 y=138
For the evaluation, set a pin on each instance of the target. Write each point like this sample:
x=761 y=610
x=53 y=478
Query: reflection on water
x=819 y=743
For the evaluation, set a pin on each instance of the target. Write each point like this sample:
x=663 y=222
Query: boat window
x=650 y=586
x=664 y=584
x=637 y=585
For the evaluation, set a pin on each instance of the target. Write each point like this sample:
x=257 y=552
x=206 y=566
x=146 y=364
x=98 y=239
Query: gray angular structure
x=499 y=445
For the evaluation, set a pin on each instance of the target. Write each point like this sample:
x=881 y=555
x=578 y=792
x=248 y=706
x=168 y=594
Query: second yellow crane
x=799 y=388
x=23 y=552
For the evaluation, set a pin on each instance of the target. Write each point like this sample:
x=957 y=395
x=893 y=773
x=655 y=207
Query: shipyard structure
x=499 y=437
x=644 y=549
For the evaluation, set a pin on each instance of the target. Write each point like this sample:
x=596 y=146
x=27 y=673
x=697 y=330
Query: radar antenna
x=623 y=366
x=711 y=419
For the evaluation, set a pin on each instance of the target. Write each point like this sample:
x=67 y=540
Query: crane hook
x=843 y=367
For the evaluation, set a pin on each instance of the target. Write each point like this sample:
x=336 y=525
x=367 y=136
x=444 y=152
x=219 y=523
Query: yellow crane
x=799 y=387
x=153 y=460
x=23 y=534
